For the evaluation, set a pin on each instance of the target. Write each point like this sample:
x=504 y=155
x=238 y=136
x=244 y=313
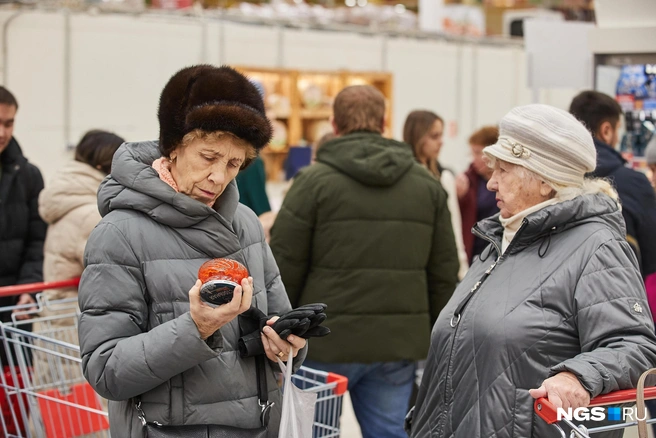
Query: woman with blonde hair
x=423 y=130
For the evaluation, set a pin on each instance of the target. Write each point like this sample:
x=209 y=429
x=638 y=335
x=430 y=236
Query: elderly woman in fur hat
x=554 y=307
x=148 y=342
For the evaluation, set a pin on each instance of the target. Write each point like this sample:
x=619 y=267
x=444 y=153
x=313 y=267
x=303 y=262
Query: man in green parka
x=367 y=231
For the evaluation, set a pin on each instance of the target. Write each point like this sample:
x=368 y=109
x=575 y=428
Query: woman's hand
x=209 y=319
x=563 y=391
x=24 y=300
x=277 y=348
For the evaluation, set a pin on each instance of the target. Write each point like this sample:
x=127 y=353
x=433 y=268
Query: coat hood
x=368 y=158
x=608 y=160
x=557 y=218
x=135 y=185
x=75 y=185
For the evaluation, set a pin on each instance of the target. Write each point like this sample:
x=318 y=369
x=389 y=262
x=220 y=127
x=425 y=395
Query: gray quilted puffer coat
x=565 y=296
x=137 y=337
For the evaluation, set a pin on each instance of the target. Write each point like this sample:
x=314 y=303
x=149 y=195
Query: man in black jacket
x=602 y=116
x=22 y=231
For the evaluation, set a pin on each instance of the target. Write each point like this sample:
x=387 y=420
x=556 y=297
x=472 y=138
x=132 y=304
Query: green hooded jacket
x=367 y=231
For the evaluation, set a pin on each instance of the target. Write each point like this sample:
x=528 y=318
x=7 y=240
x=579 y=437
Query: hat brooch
x=519 y=151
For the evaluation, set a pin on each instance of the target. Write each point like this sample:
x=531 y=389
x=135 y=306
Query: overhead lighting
x=362 y=3
x=399 y=9
x=350 y=3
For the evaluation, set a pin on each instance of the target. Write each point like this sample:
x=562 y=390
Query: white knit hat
x=548 y=141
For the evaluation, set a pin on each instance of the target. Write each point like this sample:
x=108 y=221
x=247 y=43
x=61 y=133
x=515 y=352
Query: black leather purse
x=157 y=430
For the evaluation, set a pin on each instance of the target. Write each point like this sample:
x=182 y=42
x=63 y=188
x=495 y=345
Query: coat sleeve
x=120 y=358
x=291 y=236
x=443 y=264
x=613 y=321
x=31 y=270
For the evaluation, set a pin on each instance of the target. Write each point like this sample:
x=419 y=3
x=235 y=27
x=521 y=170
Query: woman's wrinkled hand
x=563 y=391
x=209 y=319
x=277 y=348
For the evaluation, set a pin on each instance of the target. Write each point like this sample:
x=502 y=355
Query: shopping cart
x=548 y=412
x=330 y=389
x=46 y=394
x=44 y=391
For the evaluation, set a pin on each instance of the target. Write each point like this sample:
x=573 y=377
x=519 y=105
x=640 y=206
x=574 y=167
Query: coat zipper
x=457 y=314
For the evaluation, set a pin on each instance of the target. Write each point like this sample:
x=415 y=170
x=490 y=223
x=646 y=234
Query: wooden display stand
x=299 y=104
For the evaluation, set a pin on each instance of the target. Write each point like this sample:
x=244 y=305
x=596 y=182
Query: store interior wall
x=75 y=71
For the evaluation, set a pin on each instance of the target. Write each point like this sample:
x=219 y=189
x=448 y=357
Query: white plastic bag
x=297 y=406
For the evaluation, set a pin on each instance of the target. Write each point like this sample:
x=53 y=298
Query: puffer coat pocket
x=523 y=416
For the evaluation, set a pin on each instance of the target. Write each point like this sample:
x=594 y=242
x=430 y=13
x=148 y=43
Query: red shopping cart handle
x=8 y=291
x=342 y=383
x=548 y=412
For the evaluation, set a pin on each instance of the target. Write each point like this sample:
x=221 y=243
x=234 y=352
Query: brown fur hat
x=211 y=99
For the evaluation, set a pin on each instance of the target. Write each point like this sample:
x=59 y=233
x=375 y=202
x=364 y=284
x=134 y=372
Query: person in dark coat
x=366 y=230
x=601 y=114
x=554 y=308
x=22 y=231
x=475 y=200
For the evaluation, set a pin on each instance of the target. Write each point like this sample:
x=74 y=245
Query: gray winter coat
x=137 y=337
x=565 y=296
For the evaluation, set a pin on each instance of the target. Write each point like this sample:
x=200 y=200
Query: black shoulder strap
x=262 y=390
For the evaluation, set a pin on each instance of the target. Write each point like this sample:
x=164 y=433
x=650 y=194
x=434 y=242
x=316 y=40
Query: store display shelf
x=268 y=151
x=299 y=104
x=322 y=113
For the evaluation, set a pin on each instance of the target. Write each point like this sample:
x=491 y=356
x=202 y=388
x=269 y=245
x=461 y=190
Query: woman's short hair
x=359 y=108
x=417 y=125
x=97 y=148
x=485 y=136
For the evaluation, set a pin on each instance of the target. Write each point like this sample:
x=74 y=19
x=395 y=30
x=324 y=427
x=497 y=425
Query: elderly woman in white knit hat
x=554 y=307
